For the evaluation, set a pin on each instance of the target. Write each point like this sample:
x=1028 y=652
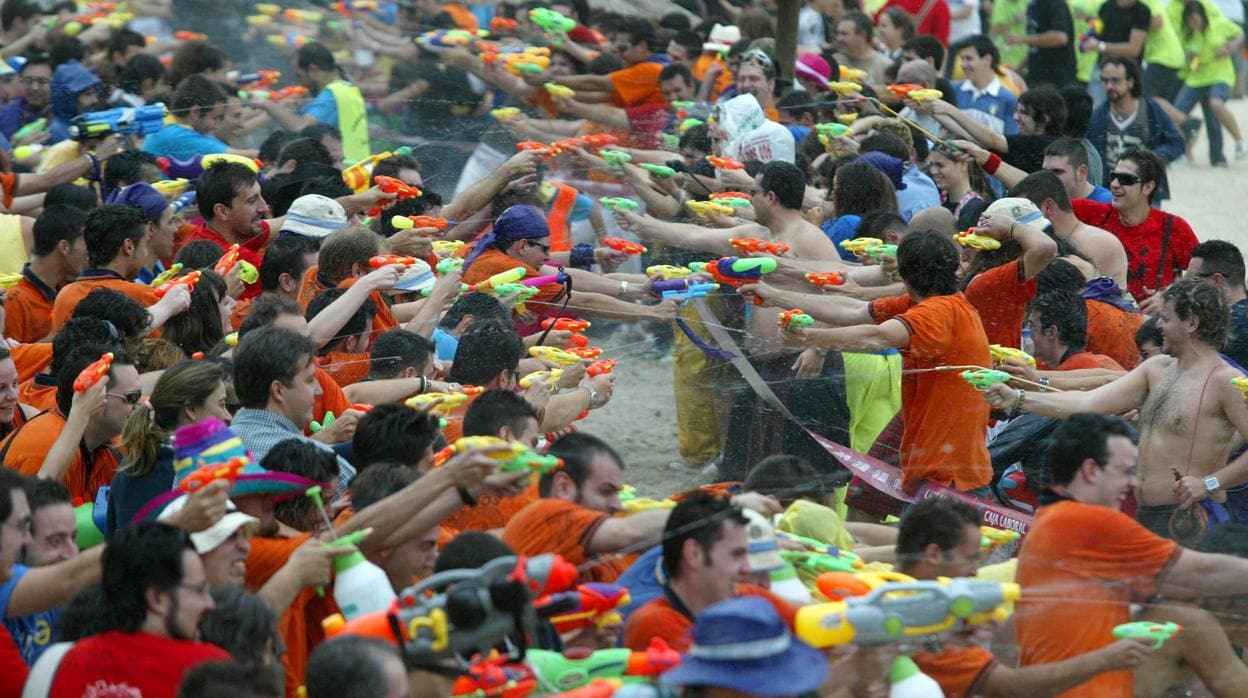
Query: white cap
x=417 y=277
x=1020 y=209
x=722 y=37
x=763 y=553
x=210 y=538
x=315 y=216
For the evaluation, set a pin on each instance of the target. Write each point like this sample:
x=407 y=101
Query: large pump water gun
x=897 y=611
x=123 y=121
x=737 y=271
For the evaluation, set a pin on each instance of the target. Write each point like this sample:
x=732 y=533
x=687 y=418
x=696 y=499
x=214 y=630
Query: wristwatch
x=1212 y=485
x=594 y=399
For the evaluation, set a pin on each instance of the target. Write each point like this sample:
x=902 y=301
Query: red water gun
x=569 y=143
x=600 y=367
x=725 y=163
x=903 y=90
x=188 y=279
x=503 y=25
x=585 y=352
x=384 y=260
x=428 y=222
x=745 y=245
x=190 y=36
x=728 y=195
x=626 y=246
x=565 y=324
x=260 y=79
x=397 y=187
x=492 y=676
x=93 y=373
x=591 y=599
x=825 y=278
x=227 y=261
x=538 y=147
x=658 y=658
x=601 y=140
x=202 y=476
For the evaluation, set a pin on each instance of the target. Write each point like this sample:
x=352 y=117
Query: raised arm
x=477 y=196
x=951 y=117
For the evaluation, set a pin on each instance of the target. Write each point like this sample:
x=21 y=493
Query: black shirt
x=1237 y=341
x=1119 y=21
x=1055 y=66
x=1027 y=152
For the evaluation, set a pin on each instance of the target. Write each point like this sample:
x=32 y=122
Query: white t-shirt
x=962 y=28
x=810 y=33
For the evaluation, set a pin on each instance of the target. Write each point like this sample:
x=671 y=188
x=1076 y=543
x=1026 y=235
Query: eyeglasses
x=41 y=82
x=130 y=398
x=1126 y=179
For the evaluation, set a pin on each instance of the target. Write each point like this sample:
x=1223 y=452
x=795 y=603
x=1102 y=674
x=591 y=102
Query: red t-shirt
x=1143 y=244
x=935 y=23
x=13 y=669
x=129 y=664
x=251 y=250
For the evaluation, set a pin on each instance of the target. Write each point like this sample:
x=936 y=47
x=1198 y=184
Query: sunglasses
x=545 y=248
x=130 y=398
x=1126 y=179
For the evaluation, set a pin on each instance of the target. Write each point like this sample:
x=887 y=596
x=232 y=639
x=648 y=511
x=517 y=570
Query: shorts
x=1160 y=81
x=1156 y=519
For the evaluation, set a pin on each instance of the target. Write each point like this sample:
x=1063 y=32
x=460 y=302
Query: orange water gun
x=587 y=353
x=385 y=260
x=601 y=140
x=565 y=324
x=903 y=90
x=745 y=245
x=600 y=367
x=728 y=195
x=503 y=25
x=725 y=163
x=190 y=36
x=410 y=222
x=397 y=187
x=202 y=476
x=227 y=261
x=93 y=373
x=628 y=247
x=826 y=278
x=538 y=147
x=188 y=279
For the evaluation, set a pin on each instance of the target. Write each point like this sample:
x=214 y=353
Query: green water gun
x=985 y=378
x=1157 y=632
x=658 y=170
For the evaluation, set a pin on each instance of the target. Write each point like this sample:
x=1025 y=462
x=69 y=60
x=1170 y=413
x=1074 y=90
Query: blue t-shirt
x=920 y=193
x=642 y=581
x=445 y=344
x=993 y=107
x=324 y=108
x=841 y=229
x=181 y=143
x=32 y=633
x=1100 y=194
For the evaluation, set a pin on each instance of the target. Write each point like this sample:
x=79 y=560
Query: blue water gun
x=127 y=121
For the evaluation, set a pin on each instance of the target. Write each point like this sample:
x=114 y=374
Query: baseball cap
x=1020 y=209
x=764 y=555
x=315 y=216
x=416 y=277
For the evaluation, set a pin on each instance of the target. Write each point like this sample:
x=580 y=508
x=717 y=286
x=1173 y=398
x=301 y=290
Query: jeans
x=1189 y=96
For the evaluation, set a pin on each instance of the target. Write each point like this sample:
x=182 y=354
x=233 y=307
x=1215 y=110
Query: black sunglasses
x=1126 y=179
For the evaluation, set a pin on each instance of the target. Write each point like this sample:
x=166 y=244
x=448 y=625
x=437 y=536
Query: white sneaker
x=1241 y=150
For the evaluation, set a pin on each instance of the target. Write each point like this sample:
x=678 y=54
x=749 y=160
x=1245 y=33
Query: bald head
x=917 y=71
x=936 y=218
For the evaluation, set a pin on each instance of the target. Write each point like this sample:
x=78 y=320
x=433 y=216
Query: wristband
x=465 y=496
x=424 y=384
x=994 y=161
x=582 y=256
x=1021 y=394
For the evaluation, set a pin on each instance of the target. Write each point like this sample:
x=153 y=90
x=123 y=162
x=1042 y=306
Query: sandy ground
x=640 y=420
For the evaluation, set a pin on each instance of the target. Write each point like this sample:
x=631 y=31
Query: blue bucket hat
x=743 y=644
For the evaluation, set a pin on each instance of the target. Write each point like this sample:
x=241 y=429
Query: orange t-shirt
x=1000 y=296
x=958 y=670
x=1080 y=566
x=91 y=279
x=30 y=359
x=637 y=84
x=25 y=449
x=1111 y=331
x=384 y=318
x=657 y=618
x=8 y=183
x=309 y=286
x=331 y=399
x=1086 y=359
x=494 y=261
x=946 y=419
x=344 y=367
x=491 y=511
x=39 y=392
x=721 y=82
x=563 y=527
x=241 y=308
x=28 y=309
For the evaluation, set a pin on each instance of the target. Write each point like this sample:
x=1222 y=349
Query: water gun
x=448 y=265
x=512 y=456
x=541 y=149
x=446 y=402
x=601 y=140
x=288 y=40
x=268 y=8
x=993 y=537
x=929 y=94
x=289 y=92
x=37 y=126
x=526 y=63
x=259 y=20
x=688 y=124
x=615 y=157
x=859 y=246
x=984 y=378
x=667 y=271
x=1241 y=383
x=446 y=248
x=128 y=121
x=291 y=14
x=165 y=275
x=1001 y=354
x=597 y=688
x=1157 y=632
x=839 y=585
x=94 y=372
x=658 y=170
x=385 y=260
x=188 y=279
x=853 y=74
x=506 y=113
x=628 y=247
x=503 y=25
x=90 y=521
x=559 y=356
x=397 y=188
x=725 y=163
x=706 y=209
x=231 y=339
x=559 y=91
x=848 y=119
x=227 y=261
x=845 y=87
x=194 y=167
x=589 y=602
x=737 y=271
x=902 y=90
x=316 y=426
x=171 y=188
x=892 y=612
x=22 y=152
x=587 y=352
x=553 y=376
x=878 y=251
x=1093 y=31
x=600 y=367
x=491 y=284
x=832 y=130
x=348 y=8
x=359 y=175
x=826 y=278
x=258 y=80
x=9 y=280
x=735 y=199
x=189 y=36
x=411 y=222
x=682 y=290
x=560 y=671
x=446 y=38
x=977 y=241
x=551 y=21
x=682 y=107
x=794 y=319
x=204 y=475
x=566 y=324
x=618 y=203
x=745 y=245
x=490 y=675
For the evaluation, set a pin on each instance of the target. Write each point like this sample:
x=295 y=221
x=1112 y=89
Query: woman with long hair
x=186 y=393
x=1209 y=42
x=858 y=188
x=894 y=27
x=203 y=324
x=964 y=188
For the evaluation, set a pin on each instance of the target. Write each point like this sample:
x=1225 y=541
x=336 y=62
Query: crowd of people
x=299 y=304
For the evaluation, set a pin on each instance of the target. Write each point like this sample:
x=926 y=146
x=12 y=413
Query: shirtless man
x=776 y=197
x=1183 y=460
x=1105 y=251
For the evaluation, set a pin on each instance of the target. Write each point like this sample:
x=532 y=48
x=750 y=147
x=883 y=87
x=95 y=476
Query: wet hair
x=577 y=452
x=939 y=520
x=1067 y=312
x=928 y=262
x=1201 y=299
x=700 y=517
